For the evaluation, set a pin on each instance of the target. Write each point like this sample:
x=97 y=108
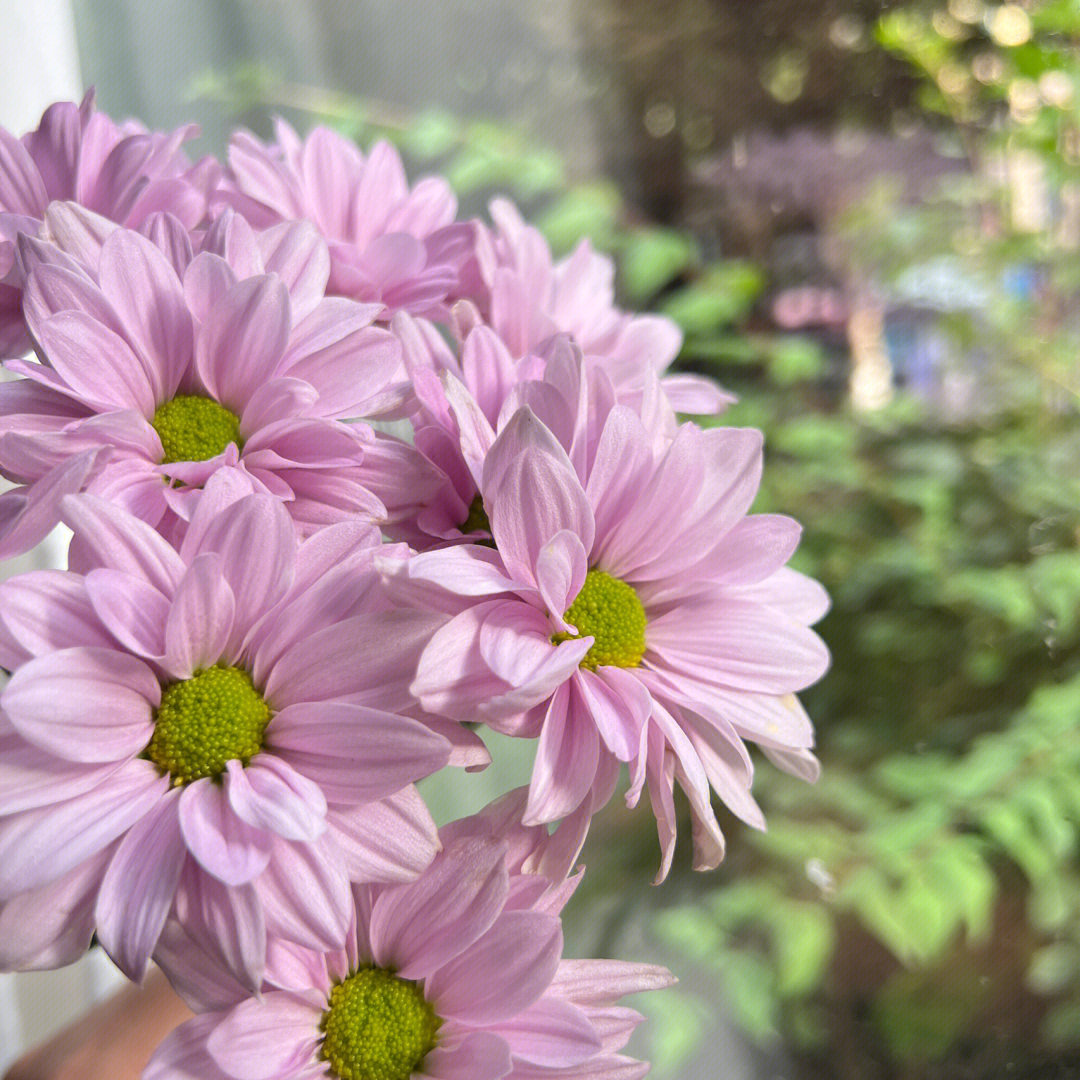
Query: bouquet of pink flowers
x=278 y=616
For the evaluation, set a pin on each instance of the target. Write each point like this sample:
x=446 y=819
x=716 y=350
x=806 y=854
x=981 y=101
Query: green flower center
x=477 y=520
x=202 y=723
x=378 y=1027
x=193 y=428
x=608 y=610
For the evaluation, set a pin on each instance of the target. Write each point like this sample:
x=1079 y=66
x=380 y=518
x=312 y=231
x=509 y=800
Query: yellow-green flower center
x=608 y=610
x=204 y=722
x=193 y=428
x=378 y=1027
x=476 y=520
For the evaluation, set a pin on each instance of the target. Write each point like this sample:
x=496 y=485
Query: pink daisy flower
x=458 y=975
x=176 y=377
x=389 y=244
x=462 y=398
x=526 y=296
x=214 y=734
x=121 y=171
x=612 y=636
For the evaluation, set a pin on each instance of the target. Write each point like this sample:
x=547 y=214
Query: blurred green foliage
x=921 y=903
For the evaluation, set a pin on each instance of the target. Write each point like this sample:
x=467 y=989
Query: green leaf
x=804 y=937
x=795 y=359
x=721 y=295
x=431 y=135
x=1053 y=968
x=586 y=210
x=651 y=258
x=750 y=994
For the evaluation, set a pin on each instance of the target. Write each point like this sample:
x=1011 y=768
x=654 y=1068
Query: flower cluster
x=277 y=617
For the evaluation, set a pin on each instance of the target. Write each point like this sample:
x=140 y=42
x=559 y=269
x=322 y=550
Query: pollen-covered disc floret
x=194 y=428
x=610 y=611
x=204 y=722
x=378 y=1027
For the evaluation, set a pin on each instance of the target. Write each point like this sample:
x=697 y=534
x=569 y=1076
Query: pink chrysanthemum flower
x=456 y=976
x=630 y=612
x=121 y=171
x=526 y=296
x=214 y=734
x=459 y=394
x=177 y=377
x=389 y=244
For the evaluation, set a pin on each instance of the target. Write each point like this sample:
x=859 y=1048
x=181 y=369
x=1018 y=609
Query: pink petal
x=22 y=190
x=242 y=341
x=305 y=894
x=795 y=594
x=532 y=493
x=26 y=519
x=267 y=1039
x=324 y=665
x=138 y=887
x=200 y=621
x=112 y=538
x=257 y=544
x=31 y=777
x=270 y=794
x=551 y=1032
x=618 y=704
x=146 y=293
x=390 y=841
x=567 y=756
x=206 y=281
x=51 y=926
x=222 y=844
x=416 y=928
x=800 y=763
x=296 y=252
x=278 y=399
x=97 y=365
x=561 y=567
x=225 y=923
x=502 y=972
x=40 y=846
x=602 y=982
x=84 y=703
x=355 y=754
x=740 y=645
x=51 y=288
x=132 y=610
x=182 y=1054
x=479 y=1055
x=43 y=611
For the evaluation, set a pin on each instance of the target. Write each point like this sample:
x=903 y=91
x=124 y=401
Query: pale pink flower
x=120 y=171
x=630 y=612
x=389 y=244
x=458 y=975
x=176 y=377
x=461 y=393
x=526 y=296
x=216 y=734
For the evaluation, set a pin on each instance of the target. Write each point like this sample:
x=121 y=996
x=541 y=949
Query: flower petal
x=270 y=794
x=502 y=972
x=138 y=888
x=40 y=846
x=266 y=1039
x=355 y=754
x=84 y=704
x=200 y=621
x=221 y=843
x=416 y=928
